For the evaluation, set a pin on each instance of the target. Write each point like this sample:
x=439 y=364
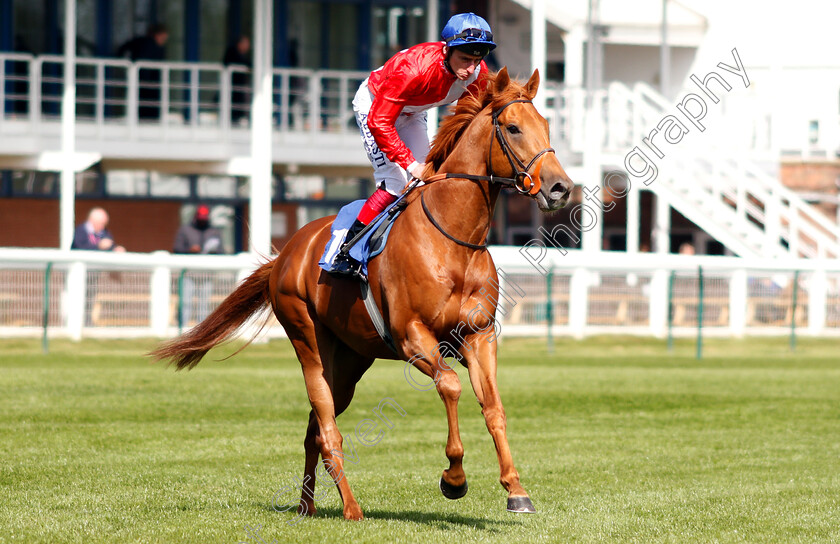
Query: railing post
x=315 y=103
x=699 y=312
x=671 y=279
x=75 y=299
x=163 y=104
x=658 y=302
x=285 y=89
x=194 y=86
x=180 y=308
x=159 y=293
x=738 y=302
x=817 y=301
x=46 y=321
x=794 y=303
x=100 y=98
x=35 y=67
x=578 y=301
x=225 y=105
x=133 y=100
x=549 y=308
x=3 y=89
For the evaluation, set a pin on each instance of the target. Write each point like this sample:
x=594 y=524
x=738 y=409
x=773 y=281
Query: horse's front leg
x=481 y=362
x=425 y=354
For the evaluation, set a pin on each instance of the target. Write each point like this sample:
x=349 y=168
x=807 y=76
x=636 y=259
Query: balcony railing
x=171 y=95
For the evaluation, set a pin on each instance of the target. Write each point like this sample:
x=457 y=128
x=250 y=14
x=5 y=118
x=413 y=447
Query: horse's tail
x=251 y=297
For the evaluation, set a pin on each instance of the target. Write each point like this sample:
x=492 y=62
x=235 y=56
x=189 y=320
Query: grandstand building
x=758 y=175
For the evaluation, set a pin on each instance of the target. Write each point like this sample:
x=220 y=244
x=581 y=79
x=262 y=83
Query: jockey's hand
x=417 y=171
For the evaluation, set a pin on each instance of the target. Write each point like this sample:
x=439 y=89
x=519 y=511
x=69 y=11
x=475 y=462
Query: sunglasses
x=473 y=34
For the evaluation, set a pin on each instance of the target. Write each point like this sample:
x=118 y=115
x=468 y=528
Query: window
x=34 y=183
x=169 y=185
x=813 y=132
x=216 y=187
x=127 y=183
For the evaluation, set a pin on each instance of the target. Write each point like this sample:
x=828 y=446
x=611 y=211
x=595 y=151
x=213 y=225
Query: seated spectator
x=197 y=237
x=93 y=234
x=687 y=248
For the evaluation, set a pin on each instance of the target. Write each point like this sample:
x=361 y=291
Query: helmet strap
x=446 y=58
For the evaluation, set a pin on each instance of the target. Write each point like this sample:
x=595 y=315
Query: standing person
x=237 y=55
x=93 y=234
x=391 y=105
x=148 y=47
x=198 y=237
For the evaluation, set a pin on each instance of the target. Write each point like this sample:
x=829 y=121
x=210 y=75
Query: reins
x=520 y=173
x=437 y=226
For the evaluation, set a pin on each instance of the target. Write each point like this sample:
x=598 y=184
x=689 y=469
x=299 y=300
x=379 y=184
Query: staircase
x=730 y=197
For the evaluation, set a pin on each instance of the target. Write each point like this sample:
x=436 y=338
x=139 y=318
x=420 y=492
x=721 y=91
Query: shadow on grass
x=439 y=520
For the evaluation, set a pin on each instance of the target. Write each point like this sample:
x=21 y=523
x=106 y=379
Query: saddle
x=370 y=245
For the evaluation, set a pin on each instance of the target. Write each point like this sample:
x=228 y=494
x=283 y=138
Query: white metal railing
x=709 y=181
x=193 y=95
x=107 y=294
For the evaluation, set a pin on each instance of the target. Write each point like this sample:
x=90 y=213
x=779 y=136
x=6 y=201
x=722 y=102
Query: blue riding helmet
x=469 y=33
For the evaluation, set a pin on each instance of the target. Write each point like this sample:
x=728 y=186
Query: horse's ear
x=533 y=84
x=502 y=80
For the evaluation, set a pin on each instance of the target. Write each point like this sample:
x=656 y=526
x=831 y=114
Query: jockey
x=391 y=104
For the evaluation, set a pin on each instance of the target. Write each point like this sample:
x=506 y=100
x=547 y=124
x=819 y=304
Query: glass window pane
x=172 y=13
x=87 y=182
x=343 y=36
x=216 y=186
x=214 y=33
x=342 y=188
x=305 y=31
x=34 y=183
x=169 y=185
x=127 y=183
x=303 y=187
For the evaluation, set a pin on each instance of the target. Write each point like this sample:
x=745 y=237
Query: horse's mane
x=467 y=108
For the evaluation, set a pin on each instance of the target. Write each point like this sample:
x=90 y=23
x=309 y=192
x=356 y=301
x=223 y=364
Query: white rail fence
x=92 y=294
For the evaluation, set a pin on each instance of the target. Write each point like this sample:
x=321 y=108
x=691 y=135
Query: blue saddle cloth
x=371 y=245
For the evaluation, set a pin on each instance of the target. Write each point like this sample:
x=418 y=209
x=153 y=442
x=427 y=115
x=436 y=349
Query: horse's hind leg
x=316 y=349
x=346 y=373
x=481 y=362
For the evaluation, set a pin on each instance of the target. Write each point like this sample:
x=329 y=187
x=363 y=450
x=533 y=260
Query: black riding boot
x=344 y=264
x=355 y=229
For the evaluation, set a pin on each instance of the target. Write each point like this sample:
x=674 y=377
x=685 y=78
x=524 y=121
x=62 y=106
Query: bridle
x=521 y=172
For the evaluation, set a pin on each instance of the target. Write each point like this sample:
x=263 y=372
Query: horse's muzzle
x=555 y=196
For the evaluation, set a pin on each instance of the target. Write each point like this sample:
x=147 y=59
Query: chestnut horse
x=427 y=282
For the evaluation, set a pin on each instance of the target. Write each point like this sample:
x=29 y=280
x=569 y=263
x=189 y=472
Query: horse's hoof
x=453 y=491
x=522 y=505
x=304 y=510
x=353 y=514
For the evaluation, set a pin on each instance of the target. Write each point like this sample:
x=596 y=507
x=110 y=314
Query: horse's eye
x=513 y=129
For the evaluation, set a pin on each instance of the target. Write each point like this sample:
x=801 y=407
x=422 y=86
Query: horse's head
x=521 y=148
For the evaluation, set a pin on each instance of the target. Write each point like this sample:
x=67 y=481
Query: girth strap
x=376 y=316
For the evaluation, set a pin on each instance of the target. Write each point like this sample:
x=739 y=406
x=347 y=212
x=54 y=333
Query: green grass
x=616 y=440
